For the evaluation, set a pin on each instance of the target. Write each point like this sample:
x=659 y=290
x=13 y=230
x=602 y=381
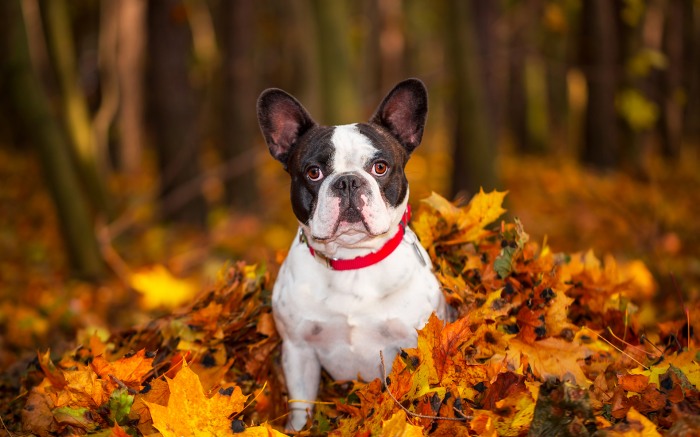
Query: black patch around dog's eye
x=314 y=148
x=394 y=186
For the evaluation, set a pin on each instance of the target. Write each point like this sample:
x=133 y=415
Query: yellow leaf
x=190 y=413
x=521 y=408
x=160 y=288
x=443 y=207
x=482 y=210
x=397 y=426
x=463 y=225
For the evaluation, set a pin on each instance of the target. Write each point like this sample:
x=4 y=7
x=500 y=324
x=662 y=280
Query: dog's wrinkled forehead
x=352 y=149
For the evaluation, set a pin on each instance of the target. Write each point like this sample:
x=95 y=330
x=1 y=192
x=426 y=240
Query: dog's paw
x=297 y=420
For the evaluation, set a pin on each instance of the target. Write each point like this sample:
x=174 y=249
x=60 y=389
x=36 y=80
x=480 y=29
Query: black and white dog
x=356 y=281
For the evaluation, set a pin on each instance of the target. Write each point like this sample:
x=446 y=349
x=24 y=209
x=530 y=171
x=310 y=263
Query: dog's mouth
x=346 y=228
x=350 y=223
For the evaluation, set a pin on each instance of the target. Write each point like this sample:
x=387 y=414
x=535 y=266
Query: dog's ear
x=403 y=112
x=282 y=121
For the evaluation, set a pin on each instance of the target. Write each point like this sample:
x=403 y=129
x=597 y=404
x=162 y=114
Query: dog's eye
x=314 y=173
x=380 y=168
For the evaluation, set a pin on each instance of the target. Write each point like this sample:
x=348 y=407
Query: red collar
x=369 y=259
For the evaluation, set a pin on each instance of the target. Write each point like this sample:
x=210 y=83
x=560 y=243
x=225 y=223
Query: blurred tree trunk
x=675 y=84
x=527 y=79
x=692 y=68
x=474 y=151
x=339 y=85
x=391 y=43
x=174 y=111
x=487 y=17
x=371 y=53
x=77 y=117
x=300 y=30
x=131 y=34
x=599 y=57
x=33 y=109
x=639 y=100
x=516 y=102
x=239 y=99
x=557 y=38
x=384 y=60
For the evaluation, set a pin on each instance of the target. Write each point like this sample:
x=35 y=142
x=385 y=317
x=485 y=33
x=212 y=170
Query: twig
x=5 y=426
x=628 y=343
x=600 y=337
x=234 y=415
x=411 y=413
x=122 y=385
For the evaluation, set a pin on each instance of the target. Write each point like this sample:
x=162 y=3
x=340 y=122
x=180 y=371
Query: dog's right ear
x=282 y=121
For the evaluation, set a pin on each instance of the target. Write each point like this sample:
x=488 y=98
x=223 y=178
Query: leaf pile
x=186 y=375
x=544 y=344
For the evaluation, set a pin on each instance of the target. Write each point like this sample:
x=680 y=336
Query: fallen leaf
x=397 y=426
x=190 y=412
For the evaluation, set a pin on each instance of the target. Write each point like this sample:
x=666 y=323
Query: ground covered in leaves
x=546 y=343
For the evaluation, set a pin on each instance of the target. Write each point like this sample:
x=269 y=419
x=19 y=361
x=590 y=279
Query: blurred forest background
x=130 y=157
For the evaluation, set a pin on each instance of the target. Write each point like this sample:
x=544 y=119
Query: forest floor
x=564 y=208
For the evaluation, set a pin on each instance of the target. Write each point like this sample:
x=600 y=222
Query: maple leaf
x=189 y=409
x=190 y=412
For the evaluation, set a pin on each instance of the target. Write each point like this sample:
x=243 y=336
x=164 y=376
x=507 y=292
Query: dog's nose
x=347 y=184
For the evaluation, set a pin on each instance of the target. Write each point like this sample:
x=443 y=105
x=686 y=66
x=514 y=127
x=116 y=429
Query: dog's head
x=348 y=181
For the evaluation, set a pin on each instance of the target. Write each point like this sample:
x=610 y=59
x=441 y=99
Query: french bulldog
x=356 y=281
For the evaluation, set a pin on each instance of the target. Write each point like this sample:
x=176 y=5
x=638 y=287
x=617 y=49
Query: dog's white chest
x=347 y=317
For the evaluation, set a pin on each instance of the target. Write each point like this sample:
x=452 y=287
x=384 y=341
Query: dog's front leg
x=302 y=371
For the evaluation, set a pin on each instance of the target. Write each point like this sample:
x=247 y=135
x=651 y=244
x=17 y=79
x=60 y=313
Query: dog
x=356 y=281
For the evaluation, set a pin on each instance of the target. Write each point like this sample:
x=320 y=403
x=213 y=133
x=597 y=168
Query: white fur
x=342 y=319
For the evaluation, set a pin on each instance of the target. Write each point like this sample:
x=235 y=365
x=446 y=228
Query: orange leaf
x=554 y=357
x=53 y=374
x=131 y=371
x=634 y=383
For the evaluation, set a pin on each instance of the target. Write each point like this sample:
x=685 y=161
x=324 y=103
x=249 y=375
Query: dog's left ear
x=403 y=112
